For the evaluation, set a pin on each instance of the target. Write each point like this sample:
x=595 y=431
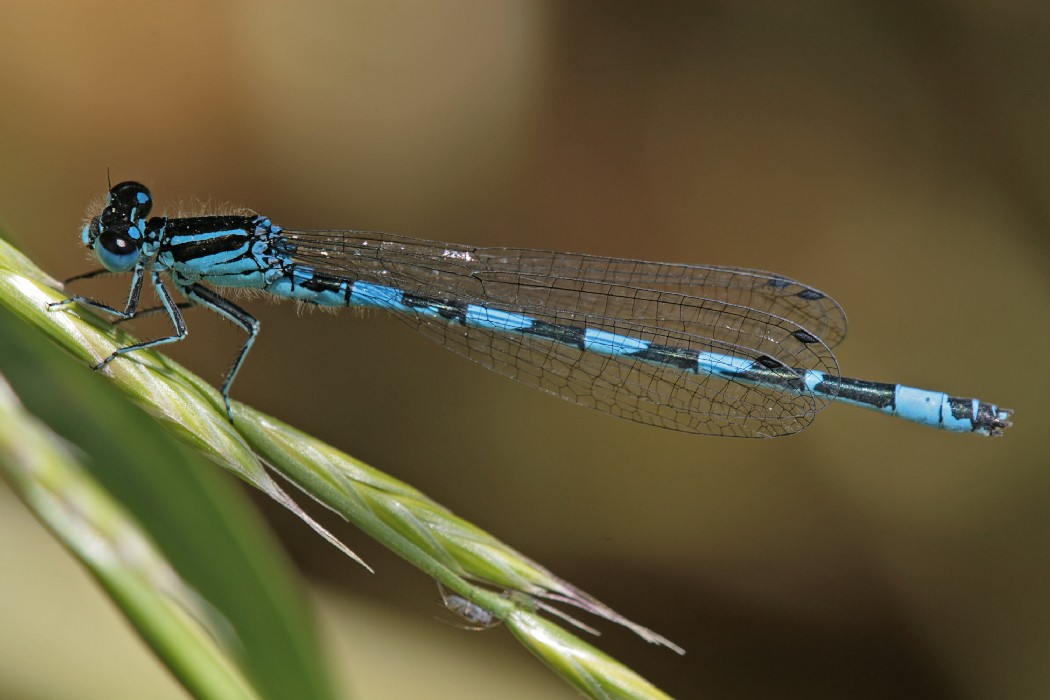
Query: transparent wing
x=461 y=270
x=743 y=313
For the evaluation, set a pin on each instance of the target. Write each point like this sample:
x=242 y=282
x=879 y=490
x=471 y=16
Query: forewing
x=629 y=298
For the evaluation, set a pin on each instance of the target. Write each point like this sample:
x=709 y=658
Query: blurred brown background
x=894 y=154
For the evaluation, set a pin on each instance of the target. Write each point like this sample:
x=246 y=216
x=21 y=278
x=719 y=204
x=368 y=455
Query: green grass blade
x=171 y=617
x=198 y=535
x=579 y=663
x=452 y=550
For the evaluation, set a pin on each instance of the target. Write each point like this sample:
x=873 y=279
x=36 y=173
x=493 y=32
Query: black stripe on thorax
x=239 y=230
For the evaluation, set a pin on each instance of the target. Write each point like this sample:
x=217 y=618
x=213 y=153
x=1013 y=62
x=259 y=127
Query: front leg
x=153 y=311
x=133 y=295
x=168 y=304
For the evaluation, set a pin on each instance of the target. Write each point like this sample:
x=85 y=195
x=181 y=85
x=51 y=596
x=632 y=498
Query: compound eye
x=131 y=197
x=116 y=250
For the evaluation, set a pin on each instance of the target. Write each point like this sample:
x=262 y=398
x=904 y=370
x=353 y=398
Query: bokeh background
x=894 y=154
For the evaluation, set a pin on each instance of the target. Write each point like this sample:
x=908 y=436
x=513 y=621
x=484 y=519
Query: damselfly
x=697 y=348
